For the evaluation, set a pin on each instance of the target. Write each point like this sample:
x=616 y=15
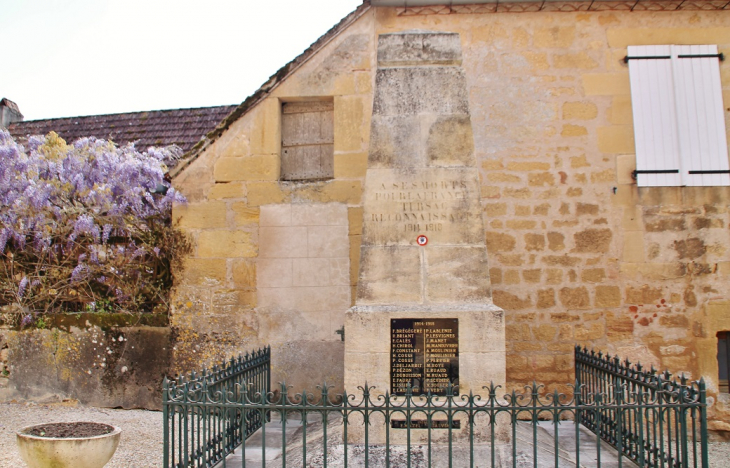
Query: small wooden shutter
x=307 y=138
x=702 y=136
x=655 y=120
x=679 y=123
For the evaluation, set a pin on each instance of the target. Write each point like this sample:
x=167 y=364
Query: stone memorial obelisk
x=424 y=314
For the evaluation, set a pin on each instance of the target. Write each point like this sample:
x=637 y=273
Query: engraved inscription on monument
x=425 y=354
x=423 y=424
x=421 y=206
x=437 y=202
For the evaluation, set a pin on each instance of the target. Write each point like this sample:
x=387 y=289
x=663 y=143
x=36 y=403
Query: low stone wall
x=108 y=360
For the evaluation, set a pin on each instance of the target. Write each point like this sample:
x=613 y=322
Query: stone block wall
x=276 y=262
x=304 y=289
x=577 y=253
x=108 y=360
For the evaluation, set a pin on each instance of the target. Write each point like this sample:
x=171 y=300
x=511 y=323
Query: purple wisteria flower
x=80 y=272
x=21 y=287
x=27 y=319
x=91 y=211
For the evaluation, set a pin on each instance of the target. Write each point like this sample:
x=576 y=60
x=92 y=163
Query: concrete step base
x=526 y=440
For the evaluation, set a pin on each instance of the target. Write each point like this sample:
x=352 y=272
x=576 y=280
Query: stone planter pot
x=93 y=451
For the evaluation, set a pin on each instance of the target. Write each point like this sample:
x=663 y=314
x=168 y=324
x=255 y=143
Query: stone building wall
x=578 y=254
x=229 y=300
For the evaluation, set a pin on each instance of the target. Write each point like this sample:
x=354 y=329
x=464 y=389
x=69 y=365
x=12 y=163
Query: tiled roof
x=181 y=127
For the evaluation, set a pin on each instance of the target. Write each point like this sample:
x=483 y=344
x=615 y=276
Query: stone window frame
x=679 y=120
x=307 y=139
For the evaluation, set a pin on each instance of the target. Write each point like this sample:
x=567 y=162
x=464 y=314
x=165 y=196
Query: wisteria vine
x=86 y=224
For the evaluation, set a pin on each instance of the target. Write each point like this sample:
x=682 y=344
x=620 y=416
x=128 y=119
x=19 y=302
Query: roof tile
x=183 y=127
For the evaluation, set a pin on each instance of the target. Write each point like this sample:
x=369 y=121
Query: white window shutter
x=655 y=120
x=700 y=116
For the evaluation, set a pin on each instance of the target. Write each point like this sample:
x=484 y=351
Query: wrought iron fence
x=657 y=421
x=201 y=427
x=653 y=423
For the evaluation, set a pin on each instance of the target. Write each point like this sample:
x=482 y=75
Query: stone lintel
x=419 y=48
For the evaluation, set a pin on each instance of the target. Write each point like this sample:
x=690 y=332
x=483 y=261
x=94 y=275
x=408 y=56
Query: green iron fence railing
x=657 y=421
x=201 y=427
x=652 y=423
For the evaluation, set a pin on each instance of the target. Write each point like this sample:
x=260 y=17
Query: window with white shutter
x=679 y=124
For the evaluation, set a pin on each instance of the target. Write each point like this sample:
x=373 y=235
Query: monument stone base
x=370 y=360
x=481 y=344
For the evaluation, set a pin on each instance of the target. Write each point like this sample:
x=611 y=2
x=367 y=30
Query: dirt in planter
x=71 y=430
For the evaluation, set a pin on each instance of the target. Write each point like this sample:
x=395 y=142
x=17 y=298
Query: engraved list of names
x=425 y=354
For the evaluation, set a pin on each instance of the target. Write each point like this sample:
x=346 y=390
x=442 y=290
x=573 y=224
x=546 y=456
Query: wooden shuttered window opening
x=679 y=123
x=307 y=137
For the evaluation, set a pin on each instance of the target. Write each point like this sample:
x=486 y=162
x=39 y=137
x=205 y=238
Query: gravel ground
x=141 y=441
x=140 y=445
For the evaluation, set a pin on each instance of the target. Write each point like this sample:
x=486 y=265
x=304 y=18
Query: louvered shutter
x=700 y=117
x=679 y=125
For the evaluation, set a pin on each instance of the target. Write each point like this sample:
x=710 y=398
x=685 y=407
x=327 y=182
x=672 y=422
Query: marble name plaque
x=425 y=354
